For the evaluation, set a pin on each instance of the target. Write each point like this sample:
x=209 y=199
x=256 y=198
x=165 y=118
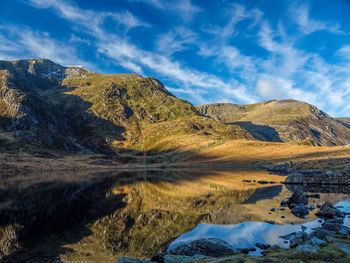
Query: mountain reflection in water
x=98 y=216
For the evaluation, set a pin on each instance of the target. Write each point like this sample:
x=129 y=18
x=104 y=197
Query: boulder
x=319 y=233
x=344 y=231
x=299 y=210
x=327 y=210
x=332 y=227
x=298 y=198
x=211 y=247
x=297 y=238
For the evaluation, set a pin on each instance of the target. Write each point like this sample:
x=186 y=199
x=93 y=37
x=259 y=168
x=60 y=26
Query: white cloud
x=182 y=8
x=344 y=52
x=176 y=40
x=91 y=20
x=33 y=44
x=300 y=14
x=284 y=71
x=236 y=13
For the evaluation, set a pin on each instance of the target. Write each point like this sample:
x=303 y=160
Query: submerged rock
x=205 y=246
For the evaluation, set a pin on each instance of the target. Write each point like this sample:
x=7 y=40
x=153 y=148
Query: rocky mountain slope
x=47 y=106
x=283 y=120
x=344 y=121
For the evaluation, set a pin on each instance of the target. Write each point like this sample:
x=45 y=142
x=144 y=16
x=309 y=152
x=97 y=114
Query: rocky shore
x=332 y=235
x=298 y=175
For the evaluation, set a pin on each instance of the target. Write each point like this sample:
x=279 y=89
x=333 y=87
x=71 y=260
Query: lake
x=97 y=216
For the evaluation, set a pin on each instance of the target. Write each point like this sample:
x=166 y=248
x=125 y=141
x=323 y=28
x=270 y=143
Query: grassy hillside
x=72 y=109
x=284 y=120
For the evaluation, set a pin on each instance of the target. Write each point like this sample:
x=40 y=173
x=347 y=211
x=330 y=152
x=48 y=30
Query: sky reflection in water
x=247 y=234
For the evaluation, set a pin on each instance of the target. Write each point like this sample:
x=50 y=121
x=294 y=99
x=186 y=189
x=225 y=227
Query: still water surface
x=97 y=216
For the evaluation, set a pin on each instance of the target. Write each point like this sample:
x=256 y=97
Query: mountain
x=282 y=120
x=344 y=121
x=44 y=105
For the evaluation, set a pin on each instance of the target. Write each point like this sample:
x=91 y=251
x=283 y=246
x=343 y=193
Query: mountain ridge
x=46 y=106
x=282 y=120
x=74 y=109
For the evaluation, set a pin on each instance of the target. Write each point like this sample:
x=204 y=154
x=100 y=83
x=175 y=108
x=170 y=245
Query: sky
x=203 y=51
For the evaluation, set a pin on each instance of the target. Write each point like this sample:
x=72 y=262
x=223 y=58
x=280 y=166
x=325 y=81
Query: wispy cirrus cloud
x=18 y=43
x=182 y=8
x=176 y=40
x=299 y=12
x=205 y=52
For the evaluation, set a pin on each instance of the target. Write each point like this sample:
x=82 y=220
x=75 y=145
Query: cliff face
x=284 y=120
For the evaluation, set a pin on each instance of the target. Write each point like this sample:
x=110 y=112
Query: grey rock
x=309 y=207
x=344 y=230
x=332 y=227
x=335 y=221
x=307 y=249
x=180 y=258
x=298 y=198
x=247 y=250
x=128 y=260
x=297 y=239
x=315 y=241
x=329 y=173
x=205 y=246
x=327 y=210
x=263 y=246
x=299 y=210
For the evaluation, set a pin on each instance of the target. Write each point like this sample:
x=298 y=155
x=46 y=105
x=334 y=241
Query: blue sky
x=203 y=51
